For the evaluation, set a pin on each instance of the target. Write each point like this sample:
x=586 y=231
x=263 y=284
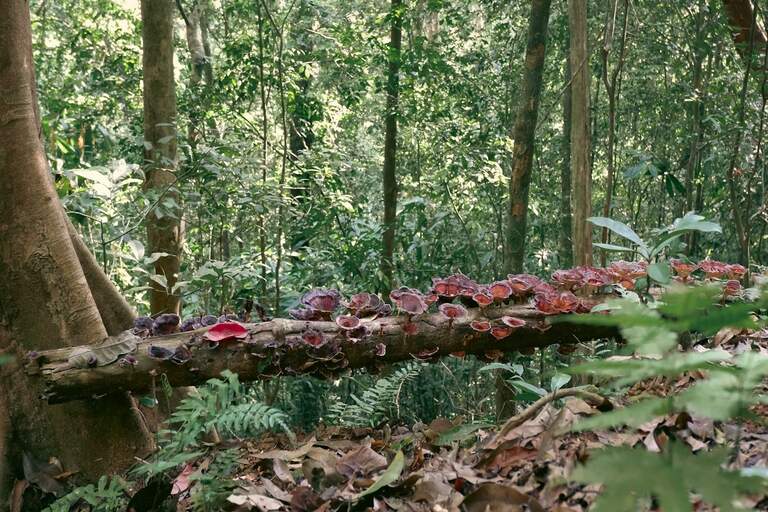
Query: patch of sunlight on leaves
x=669 y=476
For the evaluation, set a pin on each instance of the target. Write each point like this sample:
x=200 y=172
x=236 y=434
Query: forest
x=385 y=255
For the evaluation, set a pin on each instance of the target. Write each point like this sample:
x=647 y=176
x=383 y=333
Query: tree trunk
x=610 y=80
x=277 y=348
x=565 y=256
x=524 y=135
x=740 y=15
x=47 y=294
x=201 y=72
x=390 y=144
x=164 y=221
x=697 y=114
x=581 y=177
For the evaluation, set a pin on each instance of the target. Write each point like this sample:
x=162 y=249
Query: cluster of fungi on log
x=328 y=334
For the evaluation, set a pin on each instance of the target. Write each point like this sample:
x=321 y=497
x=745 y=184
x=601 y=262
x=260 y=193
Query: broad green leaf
x=558 y=380
x=612 y=247
x=620 y=229
x=391 y=474
x=159 y=279
x=660 y=272
x=528 y=387
x=517 y=369
x=694 y=222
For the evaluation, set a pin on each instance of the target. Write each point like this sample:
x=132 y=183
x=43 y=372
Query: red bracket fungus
x=347 y=322
x=683 y=269
x=482 y=299
x=452 y=312
x=500 y=291
x=480 y=325
x=313 y=338
x=226 y=331
x=513 y=322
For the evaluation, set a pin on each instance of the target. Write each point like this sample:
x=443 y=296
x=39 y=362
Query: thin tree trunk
x=566 y=243
x=581 y=177
x=164 y=223
x=201 y=72
x=390 y=144
x=524 y=134
x=264 y=155
x=610 y=81
x=697 y=111
x=742 y=231
x=45 y=295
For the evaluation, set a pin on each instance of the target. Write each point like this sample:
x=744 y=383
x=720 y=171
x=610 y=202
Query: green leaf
x=660 y=272
x=620 y=229
x=612 y=247
x=694 y=222
x=521 y=385
x=559 y=380
x=460 y=433
x=632 y=370
x=670 y=477
x=159 y=279
x=391 y=474
x=516 y=369
x=650 y=339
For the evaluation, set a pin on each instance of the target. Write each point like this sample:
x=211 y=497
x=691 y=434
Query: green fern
x=223 y=405
x=376 y=403
x=108 y=495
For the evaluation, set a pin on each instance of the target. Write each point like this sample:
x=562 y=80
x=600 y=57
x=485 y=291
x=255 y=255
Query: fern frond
x=376 y=403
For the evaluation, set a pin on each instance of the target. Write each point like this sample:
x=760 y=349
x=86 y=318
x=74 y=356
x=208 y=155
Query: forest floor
x=447 y=466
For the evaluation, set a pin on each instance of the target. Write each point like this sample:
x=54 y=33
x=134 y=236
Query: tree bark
x=581 y=176
x=524 y=135
x=390 y=144
x=164 y=222
x=276 y=348
x=610 y=80
x=740 y=15
x=566 y=242
x=45 y=294
x=201 y=69
x=697 y=114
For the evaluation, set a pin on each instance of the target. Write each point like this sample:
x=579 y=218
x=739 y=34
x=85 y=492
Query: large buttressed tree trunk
x=524 y=134
x=581 y=174
x=49 y=291
x=390 y=143
x=164 y=221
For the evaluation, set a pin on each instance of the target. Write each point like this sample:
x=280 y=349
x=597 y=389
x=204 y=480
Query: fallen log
x=285 y=347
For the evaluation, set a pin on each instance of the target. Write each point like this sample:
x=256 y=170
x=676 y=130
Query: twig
x=588 y=393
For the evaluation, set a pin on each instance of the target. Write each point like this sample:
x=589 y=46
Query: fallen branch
x=587 y=393
x=276 y=348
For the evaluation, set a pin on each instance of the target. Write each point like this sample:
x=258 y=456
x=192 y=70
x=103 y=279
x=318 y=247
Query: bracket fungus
x=167 y=323
x=480 y=325
x=347 y=322
x=313 y=338
x=513 y=322
x=500 y=291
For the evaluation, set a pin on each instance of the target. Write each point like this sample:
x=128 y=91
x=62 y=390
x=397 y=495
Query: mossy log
x=277 y=348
